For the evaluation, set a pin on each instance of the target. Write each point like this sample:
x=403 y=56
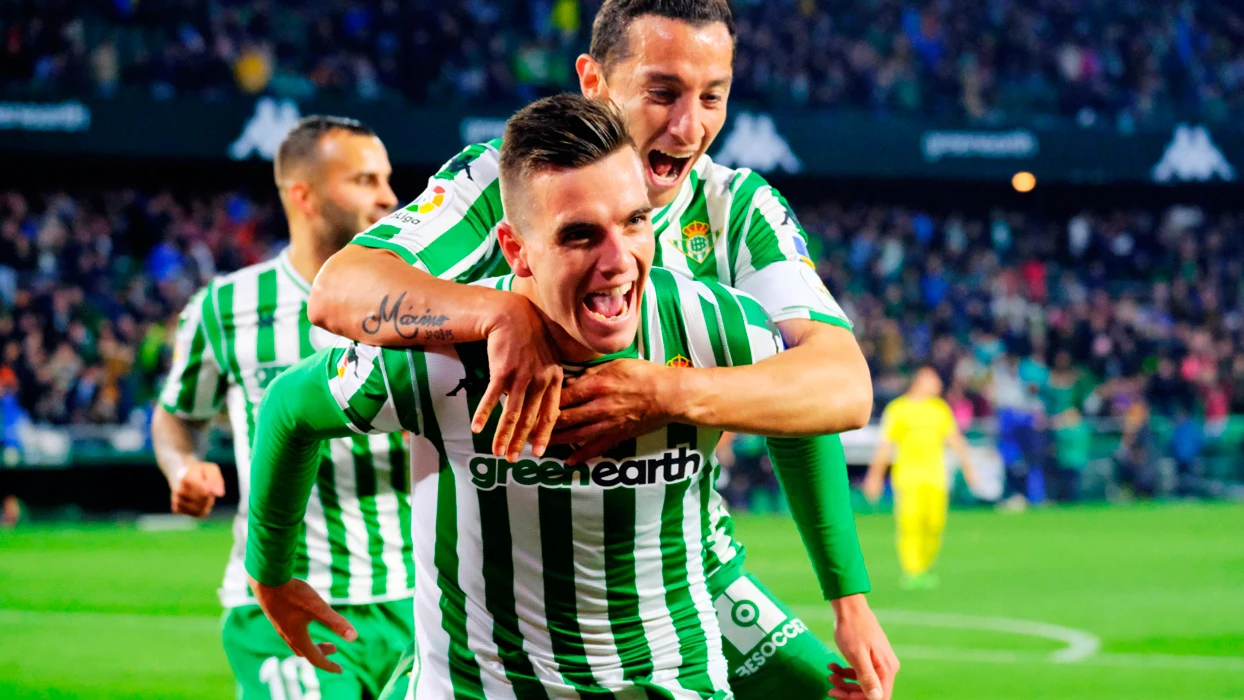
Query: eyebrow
x=571 y=227
x=675 y=80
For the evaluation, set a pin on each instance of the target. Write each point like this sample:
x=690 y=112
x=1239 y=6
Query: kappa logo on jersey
x=679 y=361
x=488 y=472
x=748 y=618
x=697 y=241
x=431 y=200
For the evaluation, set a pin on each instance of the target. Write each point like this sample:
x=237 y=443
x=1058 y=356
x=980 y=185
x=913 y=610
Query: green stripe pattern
x=548 y=579
x=234 y=337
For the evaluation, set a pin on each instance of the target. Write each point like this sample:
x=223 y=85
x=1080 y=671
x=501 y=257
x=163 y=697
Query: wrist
x=682 y=397
x=501 y=309
x=849 y=606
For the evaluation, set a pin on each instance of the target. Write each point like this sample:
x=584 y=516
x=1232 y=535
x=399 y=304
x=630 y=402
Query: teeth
x=616 y=291
x=674 y=155
x=610 y=319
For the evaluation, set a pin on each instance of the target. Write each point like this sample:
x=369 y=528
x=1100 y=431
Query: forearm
x=175 y=442
x=374 y=297
x=813 y=473
x=820 y=386
x=293 y=421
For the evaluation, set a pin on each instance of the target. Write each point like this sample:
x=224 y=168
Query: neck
x=570 y=349
x=304 y=255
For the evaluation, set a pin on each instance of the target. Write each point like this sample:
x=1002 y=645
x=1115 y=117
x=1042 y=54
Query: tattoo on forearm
x=406 y=323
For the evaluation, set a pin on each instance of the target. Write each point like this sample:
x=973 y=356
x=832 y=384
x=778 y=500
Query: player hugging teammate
x=556 y=600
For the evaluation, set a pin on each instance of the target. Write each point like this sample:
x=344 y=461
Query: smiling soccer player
x=667 y=64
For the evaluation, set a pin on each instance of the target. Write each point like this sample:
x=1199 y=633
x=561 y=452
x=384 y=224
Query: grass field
x=1138 y=602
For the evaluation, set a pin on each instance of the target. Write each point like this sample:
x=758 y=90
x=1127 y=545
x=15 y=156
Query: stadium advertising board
x=833 y=144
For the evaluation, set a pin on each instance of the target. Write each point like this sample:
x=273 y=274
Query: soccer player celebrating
x=667 y=64
x=538 y=577
x=921 y=425
x=234 y=337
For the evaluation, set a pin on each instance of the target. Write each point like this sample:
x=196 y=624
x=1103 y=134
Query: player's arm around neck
x=819 y=385
x=374 y=297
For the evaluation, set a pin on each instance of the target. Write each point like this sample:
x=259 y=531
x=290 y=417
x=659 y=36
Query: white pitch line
x=1082 y=647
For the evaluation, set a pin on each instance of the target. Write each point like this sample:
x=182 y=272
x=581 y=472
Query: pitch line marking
x=930 y=653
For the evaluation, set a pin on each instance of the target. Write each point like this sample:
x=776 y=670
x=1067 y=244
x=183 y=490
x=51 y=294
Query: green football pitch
x=1135 y=602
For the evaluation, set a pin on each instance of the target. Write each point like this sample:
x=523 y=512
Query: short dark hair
x=609 y=29
x=300 y=144
x=567 y=131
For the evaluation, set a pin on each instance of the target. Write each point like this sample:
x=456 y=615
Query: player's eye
x=638 y=219
x=662 y=96
x=712 y=99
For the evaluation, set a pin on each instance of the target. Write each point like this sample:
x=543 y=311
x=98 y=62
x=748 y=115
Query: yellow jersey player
x=920 y=425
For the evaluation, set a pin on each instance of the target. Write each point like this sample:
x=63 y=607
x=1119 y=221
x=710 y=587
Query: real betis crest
x=697 y=241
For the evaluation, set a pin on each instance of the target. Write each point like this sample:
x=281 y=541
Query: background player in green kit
x=234 y=337
x=538 y=577
x=667 y=65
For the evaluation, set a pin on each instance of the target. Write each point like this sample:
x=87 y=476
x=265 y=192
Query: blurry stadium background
x=1040 y=199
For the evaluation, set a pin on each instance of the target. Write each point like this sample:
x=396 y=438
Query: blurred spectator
x=1125 y=65
x=1073 y=441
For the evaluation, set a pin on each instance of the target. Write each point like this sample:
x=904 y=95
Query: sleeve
x=772 y=262
x=196 y=383
x=448 y=230
x=744 y=333
x=300 y=409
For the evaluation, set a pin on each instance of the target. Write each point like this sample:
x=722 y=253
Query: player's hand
x=873 y=487
x=524 y=367
x=197 y=489
x=612 y=402
x=294 y=605
x=864 y=646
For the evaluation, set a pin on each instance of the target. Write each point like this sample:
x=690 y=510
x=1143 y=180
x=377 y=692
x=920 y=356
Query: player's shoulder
x=741 y=184
x=478 y=163
x=504 y=283
x=683 y=290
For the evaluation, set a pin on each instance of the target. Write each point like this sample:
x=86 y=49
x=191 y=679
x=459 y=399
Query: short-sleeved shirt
x=919 y=429
x=233 y=338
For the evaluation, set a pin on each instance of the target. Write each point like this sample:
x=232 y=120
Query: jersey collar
x=685 y=193
x=282 y=261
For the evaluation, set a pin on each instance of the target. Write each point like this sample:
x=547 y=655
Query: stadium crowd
x=1124 y=61
x=1035 y=322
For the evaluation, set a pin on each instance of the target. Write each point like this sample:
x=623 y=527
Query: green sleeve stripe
x=466 y=236
x=733 y=324
x=762 y=240
x=369 y=241
x=831 y=320
x=402 y=388
x=188 y=377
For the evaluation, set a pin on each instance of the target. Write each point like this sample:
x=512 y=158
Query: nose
x=613 y=256
x=387 y=198
x=686 y=124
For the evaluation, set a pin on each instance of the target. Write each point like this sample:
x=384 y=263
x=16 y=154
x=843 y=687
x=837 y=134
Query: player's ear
x=513 y=249
x=302 y=197
x=591 y=78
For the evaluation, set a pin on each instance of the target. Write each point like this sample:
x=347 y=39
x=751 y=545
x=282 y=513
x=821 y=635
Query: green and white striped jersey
x=541 y=579
x=726 y=225
x=233 y=338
